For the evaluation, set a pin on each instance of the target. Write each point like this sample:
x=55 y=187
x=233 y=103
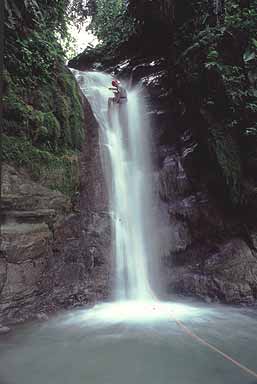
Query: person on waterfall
x=119 y=100
x=120 y=93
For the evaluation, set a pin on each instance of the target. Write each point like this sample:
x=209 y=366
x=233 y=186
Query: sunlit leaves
x=249 y=56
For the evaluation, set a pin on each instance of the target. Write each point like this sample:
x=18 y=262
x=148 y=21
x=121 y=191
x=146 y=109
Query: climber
x=120 y=93
x=120 y=100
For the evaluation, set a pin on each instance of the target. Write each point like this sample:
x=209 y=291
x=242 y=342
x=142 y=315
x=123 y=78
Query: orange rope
x=203 y=342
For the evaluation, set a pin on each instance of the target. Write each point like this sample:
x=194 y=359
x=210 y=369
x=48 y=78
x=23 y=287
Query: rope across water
x=194 y=336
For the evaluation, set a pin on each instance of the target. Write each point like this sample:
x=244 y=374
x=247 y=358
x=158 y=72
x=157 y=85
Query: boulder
x=228 y=275
x=173 y=181
x=22 y=280
x=20 y=193
x=22 y=242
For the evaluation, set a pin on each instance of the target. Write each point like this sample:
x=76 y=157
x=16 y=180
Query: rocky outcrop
x=55 y=252
x=29 y=214
x=228 y=273
x=210 y=254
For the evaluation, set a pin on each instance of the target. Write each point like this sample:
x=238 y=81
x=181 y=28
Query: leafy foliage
x=32 y=30
x=79 y=10
x=43 y=116
x=111 y=23
x=217 y=63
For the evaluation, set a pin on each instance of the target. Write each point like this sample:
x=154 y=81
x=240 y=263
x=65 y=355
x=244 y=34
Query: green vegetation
x=57 y=171
x=32 y=31
x=216 y=79
x=51 y=123
x=42 y=111
x=111 y=23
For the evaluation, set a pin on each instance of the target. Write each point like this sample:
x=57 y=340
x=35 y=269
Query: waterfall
x=125 y=154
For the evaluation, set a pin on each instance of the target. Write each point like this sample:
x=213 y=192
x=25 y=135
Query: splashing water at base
x=128 y=170
x=135 y=312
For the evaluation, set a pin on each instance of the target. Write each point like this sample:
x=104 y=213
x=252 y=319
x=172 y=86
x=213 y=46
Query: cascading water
x=127 y=155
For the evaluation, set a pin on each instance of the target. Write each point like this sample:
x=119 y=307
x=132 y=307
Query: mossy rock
x=58 y=172
x=51 y=115
x=52 y=125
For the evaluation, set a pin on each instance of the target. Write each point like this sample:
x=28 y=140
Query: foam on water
x=135 y=311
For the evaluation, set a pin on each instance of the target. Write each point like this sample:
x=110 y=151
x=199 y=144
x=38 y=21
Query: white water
x=127 y=166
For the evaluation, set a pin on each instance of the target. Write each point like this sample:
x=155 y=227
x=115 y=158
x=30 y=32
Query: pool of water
x=139 y=343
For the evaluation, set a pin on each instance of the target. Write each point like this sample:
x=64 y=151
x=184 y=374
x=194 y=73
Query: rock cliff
x=55 y=251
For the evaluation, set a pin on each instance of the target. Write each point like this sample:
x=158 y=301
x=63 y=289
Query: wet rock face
x=55 y=253
x=20 y=196
x=208 y=255
x=227 y=275
x=29 y=268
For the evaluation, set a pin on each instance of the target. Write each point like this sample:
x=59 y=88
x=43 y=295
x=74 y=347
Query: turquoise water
x=110 y=345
